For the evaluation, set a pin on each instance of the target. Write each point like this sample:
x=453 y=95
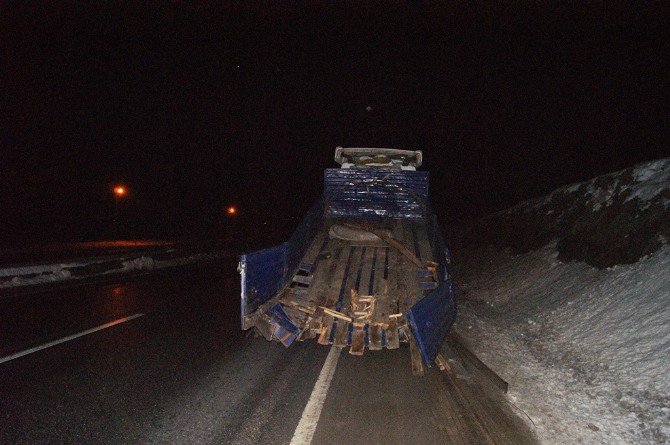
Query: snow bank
x=651 y=180
x=586 y=351
x=645 y=182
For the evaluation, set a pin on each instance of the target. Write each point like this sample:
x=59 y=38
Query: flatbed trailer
x=366 y=268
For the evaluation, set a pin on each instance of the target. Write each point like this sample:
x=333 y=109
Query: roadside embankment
x=568 y=299
x=612 y=219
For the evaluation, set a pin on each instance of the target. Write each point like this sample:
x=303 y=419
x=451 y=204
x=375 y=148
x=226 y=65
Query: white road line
x=310 y=416
x=68 y=338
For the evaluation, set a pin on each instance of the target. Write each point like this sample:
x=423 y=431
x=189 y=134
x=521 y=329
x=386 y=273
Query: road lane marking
x=68 y=338
x=310 y=416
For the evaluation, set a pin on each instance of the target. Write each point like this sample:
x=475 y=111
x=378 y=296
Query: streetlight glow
x=119 y=190
x=231 y=210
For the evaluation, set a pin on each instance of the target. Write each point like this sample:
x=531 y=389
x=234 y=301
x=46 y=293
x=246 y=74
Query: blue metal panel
x=440 y=252
x=431 y=318
x=303 y=236
x=263 y=275
x=306 y=267
x=285 y=330
x=302 y=280
x=428 y=285
x=375 y=192
x=266 y=271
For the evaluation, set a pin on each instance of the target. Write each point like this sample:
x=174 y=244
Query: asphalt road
x=184 y=373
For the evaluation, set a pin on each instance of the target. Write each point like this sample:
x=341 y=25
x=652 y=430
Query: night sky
x=194 y=106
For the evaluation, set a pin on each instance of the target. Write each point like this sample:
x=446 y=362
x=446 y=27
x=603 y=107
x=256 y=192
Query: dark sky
x=194 y=105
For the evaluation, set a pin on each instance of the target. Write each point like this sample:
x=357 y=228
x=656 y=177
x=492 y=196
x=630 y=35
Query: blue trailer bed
x=366 y=269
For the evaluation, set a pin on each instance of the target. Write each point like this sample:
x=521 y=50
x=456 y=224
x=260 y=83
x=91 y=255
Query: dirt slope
x=613 y=219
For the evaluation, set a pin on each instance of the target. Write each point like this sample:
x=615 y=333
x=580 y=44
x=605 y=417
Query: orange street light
x=119 y=192
x=231 y=210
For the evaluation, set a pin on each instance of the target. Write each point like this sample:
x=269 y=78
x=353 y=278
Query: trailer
x=366 y=268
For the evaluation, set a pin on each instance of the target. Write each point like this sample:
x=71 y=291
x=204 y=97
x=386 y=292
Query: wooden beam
x=341 y=334
x=357 y=340
x=392 y=340
x=336 y=314
x=442 y=363
x=324 y=334
x=417 y=361
x=375 y=330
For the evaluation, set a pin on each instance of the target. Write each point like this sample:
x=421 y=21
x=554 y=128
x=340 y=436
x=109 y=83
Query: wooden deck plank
x=342 y=279
x=373 y=280
x=349 y=281
x=398 y=231
x=363 y=281
x=320 y=291
x=381 y=292
x=392 y=340
x=369 y=261
x=314 y=324
x=334 y=280
x=316 y=247
x=416 y=248
x=407 y=234
x=408 y=275
x=388 y=302
x=317 y=292
x=379 y=283
x=396 y=292
x=417 y=361
x=401 y=285
x=375 y=342
x=341 y=334
x=386 y=286
x=382 y=271
x=357 y=340
x=326 y=327
x=424 y=243
x=385 y=270
x=415 y=238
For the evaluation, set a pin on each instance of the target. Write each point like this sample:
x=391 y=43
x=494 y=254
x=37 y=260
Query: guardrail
x=106 y=265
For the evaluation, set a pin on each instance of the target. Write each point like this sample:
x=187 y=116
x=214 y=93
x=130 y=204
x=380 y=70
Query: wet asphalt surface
x=185 y=373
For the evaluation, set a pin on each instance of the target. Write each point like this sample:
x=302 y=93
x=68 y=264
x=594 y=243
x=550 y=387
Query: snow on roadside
x=586 y=351
x=50 y=273
x=617 y=218
x=646 y=182
x=651 y=179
